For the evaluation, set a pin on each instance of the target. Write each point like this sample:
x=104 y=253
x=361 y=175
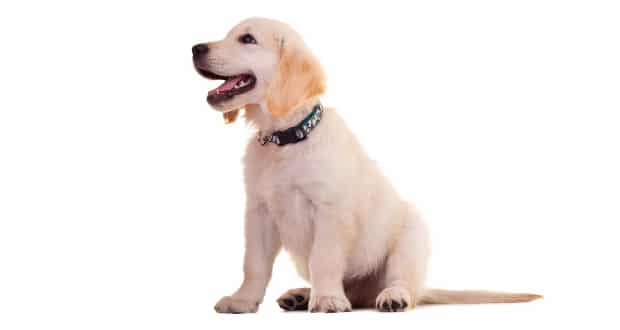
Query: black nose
x=199 y=50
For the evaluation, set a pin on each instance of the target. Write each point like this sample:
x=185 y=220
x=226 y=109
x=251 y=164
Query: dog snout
x=199 y=50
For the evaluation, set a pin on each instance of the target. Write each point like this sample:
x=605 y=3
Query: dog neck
x=259 y=116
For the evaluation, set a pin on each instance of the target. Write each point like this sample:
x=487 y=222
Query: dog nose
x=199 y=50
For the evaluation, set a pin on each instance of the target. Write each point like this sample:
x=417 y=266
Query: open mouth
x=232 y=86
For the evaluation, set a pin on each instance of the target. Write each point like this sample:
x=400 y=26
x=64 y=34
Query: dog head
x=262 y=62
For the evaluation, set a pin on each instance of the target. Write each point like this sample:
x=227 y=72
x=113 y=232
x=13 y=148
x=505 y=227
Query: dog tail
x=439 y=296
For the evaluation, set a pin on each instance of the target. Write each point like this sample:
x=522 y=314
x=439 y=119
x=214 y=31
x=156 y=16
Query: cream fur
x=351 y=236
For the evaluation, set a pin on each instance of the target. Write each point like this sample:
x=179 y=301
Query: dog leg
x=405 y=268
x=328 y=261
x=262 y=246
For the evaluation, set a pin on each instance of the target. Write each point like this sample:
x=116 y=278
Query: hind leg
x=405 y=269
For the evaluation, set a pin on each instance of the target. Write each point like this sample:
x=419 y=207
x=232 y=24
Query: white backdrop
x=121 y=195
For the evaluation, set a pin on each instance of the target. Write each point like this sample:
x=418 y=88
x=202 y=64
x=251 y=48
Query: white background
x=121 y=195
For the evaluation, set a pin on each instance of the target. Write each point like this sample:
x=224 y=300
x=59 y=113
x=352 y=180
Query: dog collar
x=296 y=133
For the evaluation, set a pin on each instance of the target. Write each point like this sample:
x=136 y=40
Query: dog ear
x=299 y=78
x=230 y=116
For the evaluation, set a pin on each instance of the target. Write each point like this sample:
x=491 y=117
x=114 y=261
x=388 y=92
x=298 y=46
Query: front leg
x=332 y=240
x=262 y=246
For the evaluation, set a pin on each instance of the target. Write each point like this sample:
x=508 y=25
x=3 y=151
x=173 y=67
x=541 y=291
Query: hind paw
x=295 y=299
x=394 y=299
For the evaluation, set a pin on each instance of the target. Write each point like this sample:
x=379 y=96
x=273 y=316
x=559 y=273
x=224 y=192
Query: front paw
x=329 y=304
x=236 y=306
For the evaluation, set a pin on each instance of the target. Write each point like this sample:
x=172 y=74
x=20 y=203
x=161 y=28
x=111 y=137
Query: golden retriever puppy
x=312 y=189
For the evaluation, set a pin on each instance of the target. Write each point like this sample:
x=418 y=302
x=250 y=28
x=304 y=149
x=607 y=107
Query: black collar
x=296 y=133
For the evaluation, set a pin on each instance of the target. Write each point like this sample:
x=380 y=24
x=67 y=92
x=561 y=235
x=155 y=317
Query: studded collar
x=295 y=133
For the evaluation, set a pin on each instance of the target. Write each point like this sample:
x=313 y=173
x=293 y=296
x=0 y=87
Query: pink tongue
x=227 y=85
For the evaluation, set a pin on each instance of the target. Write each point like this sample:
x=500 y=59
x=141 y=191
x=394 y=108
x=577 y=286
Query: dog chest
x=293 y=214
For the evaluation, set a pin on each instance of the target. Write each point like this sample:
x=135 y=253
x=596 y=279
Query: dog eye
x=247 y=39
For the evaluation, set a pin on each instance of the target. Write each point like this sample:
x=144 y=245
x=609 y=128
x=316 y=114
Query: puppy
x=312 y=189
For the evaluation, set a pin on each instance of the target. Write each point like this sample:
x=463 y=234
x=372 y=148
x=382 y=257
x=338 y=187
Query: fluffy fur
x=351 y=236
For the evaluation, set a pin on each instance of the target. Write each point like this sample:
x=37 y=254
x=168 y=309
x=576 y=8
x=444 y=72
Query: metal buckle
x=262 y=139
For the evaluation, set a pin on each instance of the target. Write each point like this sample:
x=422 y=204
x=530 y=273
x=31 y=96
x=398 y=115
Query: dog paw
x=295 y=299
x=329 y=304
x=236 y=306
x=394 y=299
